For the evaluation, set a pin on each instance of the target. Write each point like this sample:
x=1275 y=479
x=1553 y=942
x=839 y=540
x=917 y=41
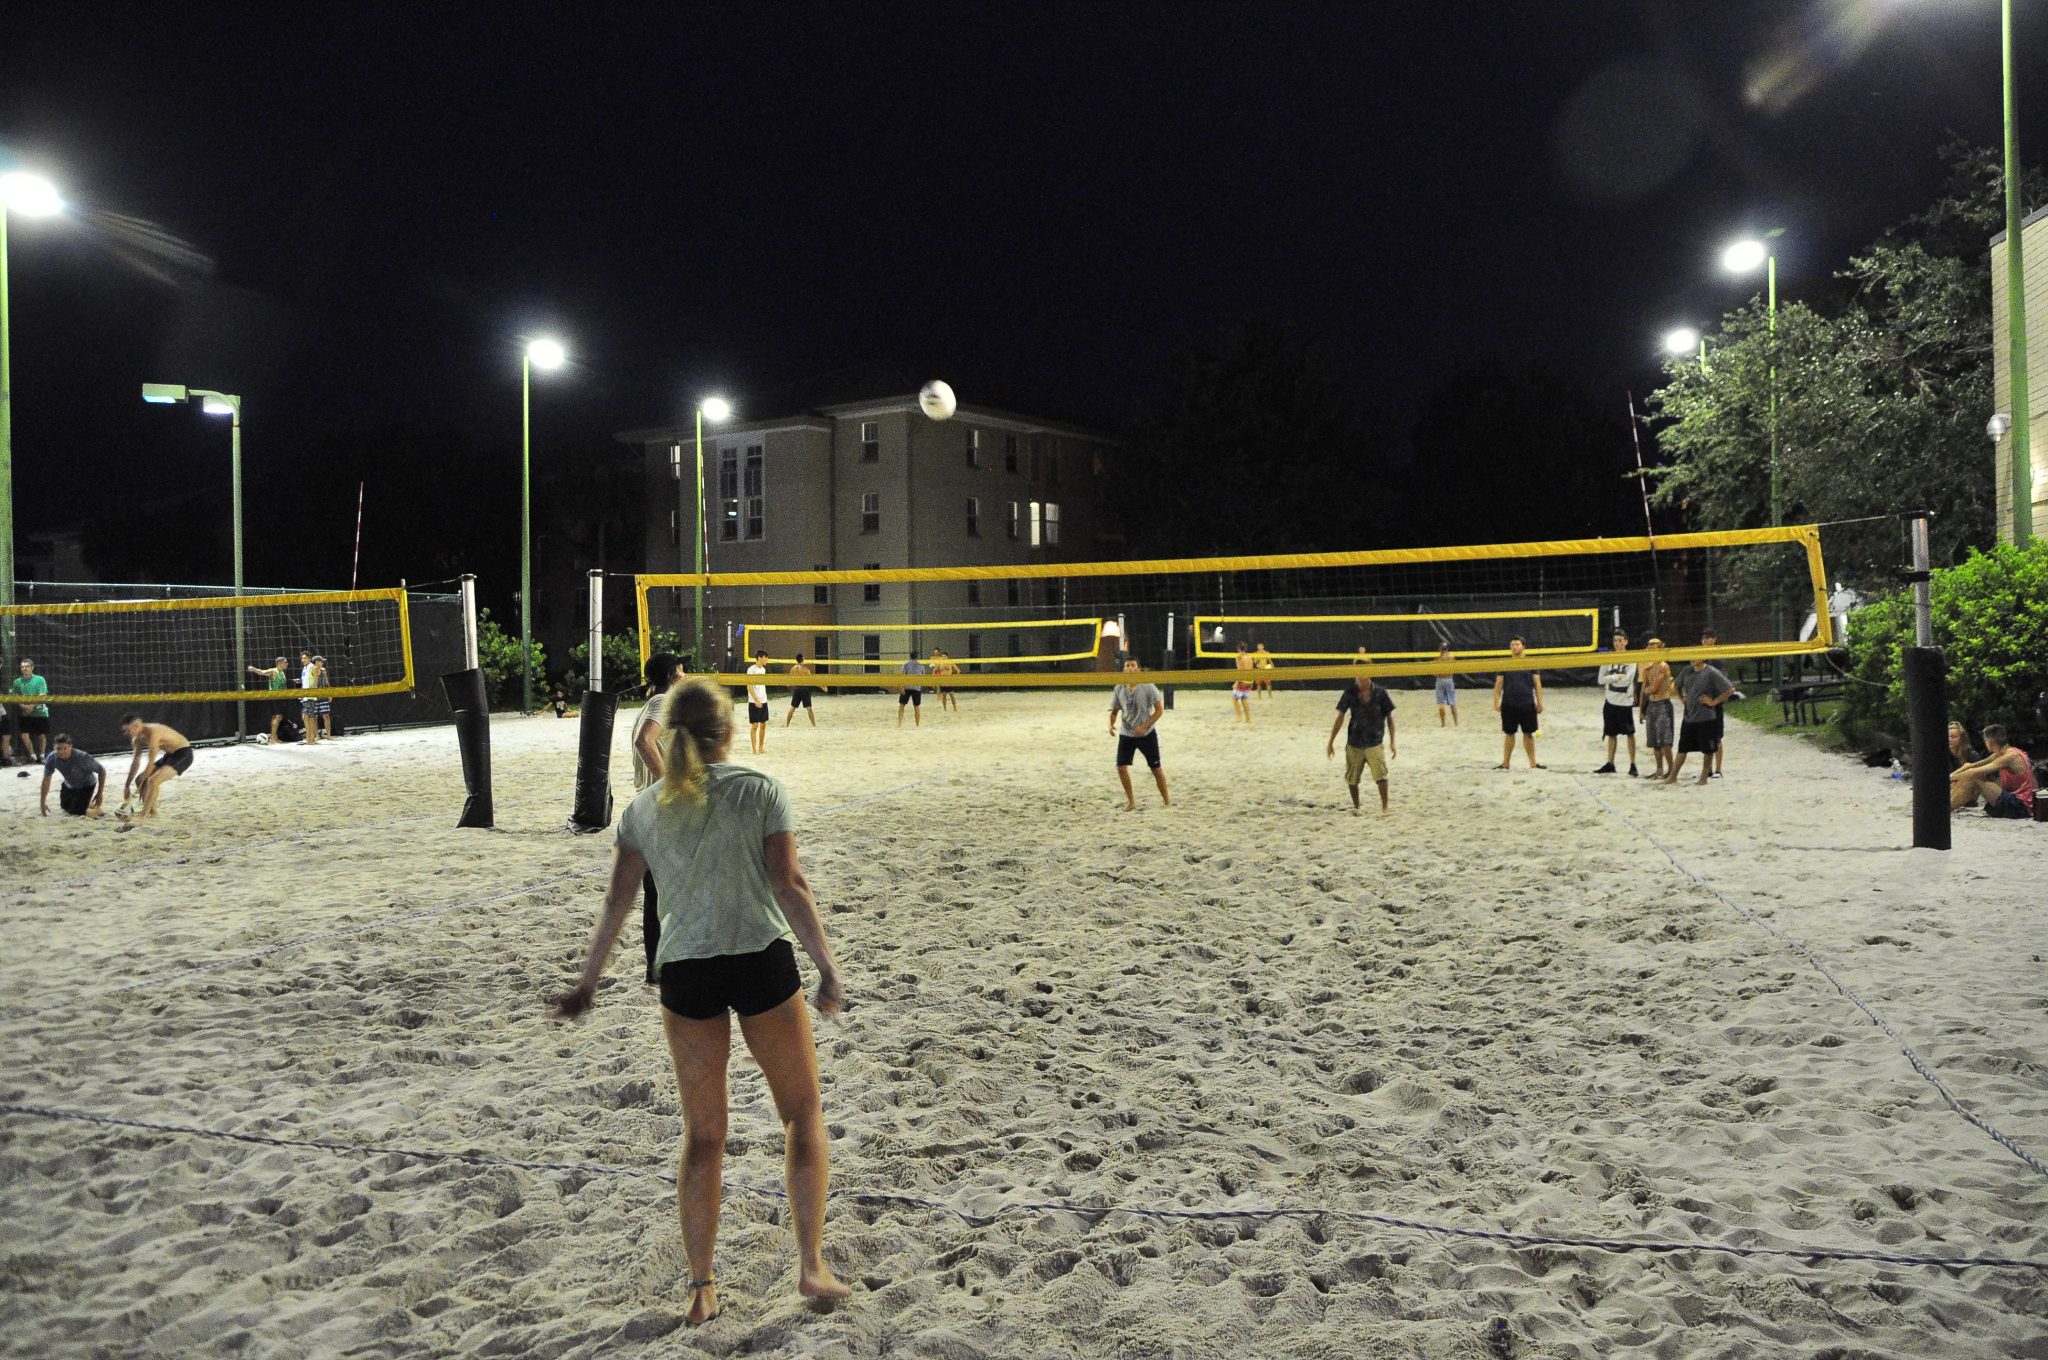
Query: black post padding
x=1926 y=674
x=594 y=762
x=465 y=691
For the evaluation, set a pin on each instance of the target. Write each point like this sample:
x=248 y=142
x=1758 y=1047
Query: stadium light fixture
x=547 y=355
x=717 y=410
x=1744 y=257
x=218 y=404
x=1683 y=340
x=30 y=196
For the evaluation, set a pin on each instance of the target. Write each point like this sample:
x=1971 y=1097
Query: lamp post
x=2021 y=452
x=229 y=405
x=1742 y=258
x=717 y=410
x=545 y=355
x=31 y=196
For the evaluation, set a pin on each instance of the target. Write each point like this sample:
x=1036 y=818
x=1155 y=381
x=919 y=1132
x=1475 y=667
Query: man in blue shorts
x=1139 y=708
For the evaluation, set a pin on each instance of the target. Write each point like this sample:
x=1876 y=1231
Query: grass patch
x=1761 y=710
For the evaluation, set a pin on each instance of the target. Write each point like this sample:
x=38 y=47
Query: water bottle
x=1897 y=771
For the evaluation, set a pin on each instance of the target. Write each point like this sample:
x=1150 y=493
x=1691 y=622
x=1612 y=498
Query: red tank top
x=2019 y=783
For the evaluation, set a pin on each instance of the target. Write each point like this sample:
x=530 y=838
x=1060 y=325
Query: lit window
x=728 y=494
x=1052 y=523
x=870 y=441
x=1037 y=524
x=755 y=488
x=871 y=512
x=1013 y=519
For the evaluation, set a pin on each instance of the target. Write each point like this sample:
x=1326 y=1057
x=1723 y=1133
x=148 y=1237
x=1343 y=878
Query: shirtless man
x=1241 y=690
x=1262 y=661
x=161 y=744
x=1657 y=691
x=800 y=695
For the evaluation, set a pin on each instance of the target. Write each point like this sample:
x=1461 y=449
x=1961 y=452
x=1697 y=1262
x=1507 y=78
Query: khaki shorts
x=1356 y=758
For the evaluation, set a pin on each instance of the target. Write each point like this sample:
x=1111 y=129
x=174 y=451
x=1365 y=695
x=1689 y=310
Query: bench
x=1801 y=699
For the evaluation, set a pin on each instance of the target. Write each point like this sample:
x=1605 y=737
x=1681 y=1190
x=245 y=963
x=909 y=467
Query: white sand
x=1498 y=1007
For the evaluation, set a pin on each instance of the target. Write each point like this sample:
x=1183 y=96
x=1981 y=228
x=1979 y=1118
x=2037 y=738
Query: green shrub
x=1991 y=621
x=621 y=661
x=497 y=655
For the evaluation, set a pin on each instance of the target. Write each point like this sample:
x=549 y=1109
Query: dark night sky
x=727 y=197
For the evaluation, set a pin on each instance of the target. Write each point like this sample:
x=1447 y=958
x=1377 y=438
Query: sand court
x=1501 y=1007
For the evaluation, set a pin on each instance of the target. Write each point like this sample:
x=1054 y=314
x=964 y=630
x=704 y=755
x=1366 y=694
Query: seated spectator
x=85 y=779
x=2004 y=780
x=1960 y=753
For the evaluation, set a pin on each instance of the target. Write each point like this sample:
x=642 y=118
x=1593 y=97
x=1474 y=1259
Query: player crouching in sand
x=162 y=744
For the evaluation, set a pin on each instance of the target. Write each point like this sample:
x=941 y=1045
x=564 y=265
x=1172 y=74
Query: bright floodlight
x=217 y=406
x=1744 y=257
x=716 y=409
x=29 y=195
x=545 y=354
x=1683 y=340
x=1997 y=426
x=163 y=394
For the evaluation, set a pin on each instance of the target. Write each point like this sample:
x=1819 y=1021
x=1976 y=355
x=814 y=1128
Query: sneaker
x=1715 y=775
x=1632 y=773
x=1608 y=768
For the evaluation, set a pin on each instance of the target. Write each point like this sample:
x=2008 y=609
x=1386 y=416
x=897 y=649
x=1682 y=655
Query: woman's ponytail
x=697 y=721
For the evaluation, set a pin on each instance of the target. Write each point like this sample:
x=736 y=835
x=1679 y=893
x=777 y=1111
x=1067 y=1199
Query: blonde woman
x=719 y=840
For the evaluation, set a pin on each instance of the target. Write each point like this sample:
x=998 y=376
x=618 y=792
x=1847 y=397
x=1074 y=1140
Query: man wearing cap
x=1618 y=707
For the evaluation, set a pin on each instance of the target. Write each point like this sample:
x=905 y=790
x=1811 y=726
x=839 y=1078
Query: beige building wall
x=2034 y=245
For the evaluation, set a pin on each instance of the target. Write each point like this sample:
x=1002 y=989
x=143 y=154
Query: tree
x=497 y=654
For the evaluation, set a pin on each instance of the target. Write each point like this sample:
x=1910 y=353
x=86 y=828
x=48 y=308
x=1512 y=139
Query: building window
x=1013 y=592
x=974 y=517
x=870 y=441
x=821 y=646
x=974 y=449
x=871 y=593
x=973 y=646
x=728 y=495
x=871 y=648
x=871 y=512
x=821 y=594
x=974 y=592
x=1052 y=591
x=1037 y=524
x=1052 y=523
x=1016 y=644
x=754 y=487
x=1013 y=519
x=1009 y=453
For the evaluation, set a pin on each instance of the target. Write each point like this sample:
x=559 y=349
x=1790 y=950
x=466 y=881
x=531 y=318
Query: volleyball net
x=1310 y=616
x=201 y=648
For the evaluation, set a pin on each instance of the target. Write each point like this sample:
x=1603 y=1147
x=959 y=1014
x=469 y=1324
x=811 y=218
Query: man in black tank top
x=1518 y=698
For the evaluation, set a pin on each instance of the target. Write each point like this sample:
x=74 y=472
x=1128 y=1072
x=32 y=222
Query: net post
x=1168 y=659
x=469 y=654
x=596 y=580
x=1926 y=675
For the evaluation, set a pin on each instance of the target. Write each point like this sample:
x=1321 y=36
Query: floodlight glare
x=546 y=354
x=1745 y=257
x=217 y=406
x=716 y=409
x=29 y=195
x=1682 y=340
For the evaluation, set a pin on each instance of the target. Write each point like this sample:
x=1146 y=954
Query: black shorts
x=75 y=799
x=177 y=762
x=703 y=989
x=32 y=726
x=757 y=713
x=1147 y=746
x=1518 y=718
x=1617 y=721
x=799 y=698
x=1704 y=737
x=910 y=696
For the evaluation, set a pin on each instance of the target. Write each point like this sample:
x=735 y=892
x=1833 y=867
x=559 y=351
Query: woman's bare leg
x=780 y=1041
x=698 y=1049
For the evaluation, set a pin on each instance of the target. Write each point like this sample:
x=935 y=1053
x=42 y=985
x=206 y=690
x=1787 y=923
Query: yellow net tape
x=1093 y=627
x=1591 y=616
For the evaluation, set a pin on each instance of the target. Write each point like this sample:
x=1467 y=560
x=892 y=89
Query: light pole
x=717 y=410
x=2016 y=306
x=545 y=355
x=1742 y=258
x=1682 y=340
x=229 y=405
x=31 y=196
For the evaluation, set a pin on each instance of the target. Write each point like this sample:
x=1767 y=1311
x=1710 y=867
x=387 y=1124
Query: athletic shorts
x=316 y=707
x=32 y=726
x=1617 y=721
x=2009 y=804
x=1698 y=736
x=913 y=697
x=75 y=800
x=1447 y=693
x=1356 y=758
x=1240 y=690
x=703 y=989
x=757 y=713
x=1146 y=746
x=1518 y=718
x=177 y=762
x=1657 y=723
x=799 y=698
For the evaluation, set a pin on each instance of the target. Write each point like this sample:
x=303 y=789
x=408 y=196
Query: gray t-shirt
x=915 y=667
x=1695 y=683
x=1135 y=703
x=79 y=772
x=709 y=863
x=651 y=713
x=1618 y=681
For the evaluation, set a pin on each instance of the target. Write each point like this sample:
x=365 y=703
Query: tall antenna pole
x=355 y=567
x=1635 y=429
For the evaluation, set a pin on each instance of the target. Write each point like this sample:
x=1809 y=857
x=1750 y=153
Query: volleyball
x=935 y=399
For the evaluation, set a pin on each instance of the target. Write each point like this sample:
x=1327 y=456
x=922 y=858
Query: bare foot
x=703 y=1305
x=821 y=1286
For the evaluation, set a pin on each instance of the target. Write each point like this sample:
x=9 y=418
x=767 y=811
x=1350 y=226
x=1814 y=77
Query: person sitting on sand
x=1371 y=711
x=719 y=840
x=2004 y=780
x=1518 y=698
x=1140 y=708
x=1960 y=753
x=162 y=744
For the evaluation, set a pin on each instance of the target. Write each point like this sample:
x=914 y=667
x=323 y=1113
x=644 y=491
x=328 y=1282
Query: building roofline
x=2029 y=220
x=823 y=420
